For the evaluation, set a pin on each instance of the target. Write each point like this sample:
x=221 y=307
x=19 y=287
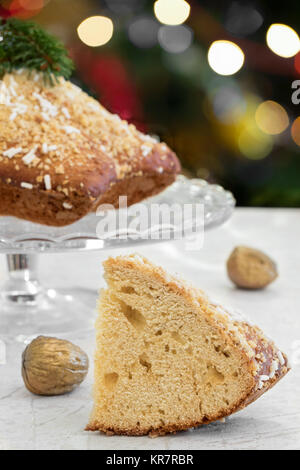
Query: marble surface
x=272 y=422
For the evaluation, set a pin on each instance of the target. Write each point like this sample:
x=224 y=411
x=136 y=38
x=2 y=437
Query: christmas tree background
x=159 y=78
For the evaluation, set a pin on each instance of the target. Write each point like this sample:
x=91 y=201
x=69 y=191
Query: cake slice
x=168 y=358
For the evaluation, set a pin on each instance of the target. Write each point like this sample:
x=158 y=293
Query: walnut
x=52 y=366
x=250 y=269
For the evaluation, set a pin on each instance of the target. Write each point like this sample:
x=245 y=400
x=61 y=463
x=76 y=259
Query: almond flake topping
x=16 y=110
x=26 y=185
x=47 y=107
x=281 y=358
x=47 y=181
x=273 y=369
x=45 y=116
x=10 y=153
x=94 y=106
x=4 y=95
x=66 y=112
x=30 y=156
x=264 y=378
x=146 y=150
x=71 y=130
x=48 y=148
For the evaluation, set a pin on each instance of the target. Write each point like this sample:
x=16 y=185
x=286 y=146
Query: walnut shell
x=251 y=269
x=52 y=366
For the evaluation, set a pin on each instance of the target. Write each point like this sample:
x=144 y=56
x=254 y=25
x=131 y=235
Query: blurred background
x=216 y=80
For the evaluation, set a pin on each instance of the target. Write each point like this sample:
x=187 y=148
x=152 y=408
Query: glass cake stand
x=28 y=309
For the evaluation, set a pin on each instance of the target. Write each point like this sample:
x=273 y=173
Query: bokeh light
x=283 y=40
x=295 y=131
x=172 y=12
x=175 y=39
x=225 y=57
x=24 y=9
x=271 y=118
x=242 y=19
x=253 y=143
x=228 y=104
x=143 y=32
x=95 y=31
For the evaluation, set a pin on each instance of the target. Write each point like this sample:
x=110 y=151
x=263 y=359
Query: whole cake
x=168 y=358
x=61 y=153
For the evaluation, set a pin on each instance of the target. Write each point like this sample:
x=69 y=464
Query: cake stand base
x=28 y=309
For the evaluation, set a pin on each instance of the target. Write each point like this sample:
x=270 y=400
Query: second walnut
x=250 y=268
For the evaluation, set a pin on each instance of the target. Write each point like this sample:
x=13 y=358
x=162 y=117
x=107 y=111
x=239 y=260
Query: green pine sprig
x=24 y=44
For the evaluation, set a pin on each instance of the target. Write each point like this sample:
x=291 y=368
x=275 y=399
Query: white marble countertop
x=272 y=422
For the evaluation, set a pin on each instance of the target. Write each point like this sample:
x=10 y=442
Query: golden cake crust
x=62 y=154
x=265 y=362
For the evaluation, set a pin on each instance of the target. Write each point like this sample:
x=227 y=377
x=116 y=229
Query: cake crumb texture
x=168 y=358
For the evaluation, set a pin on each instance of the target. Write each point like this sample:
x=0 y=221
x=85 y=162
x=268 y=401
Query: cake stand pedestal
x=28 y=308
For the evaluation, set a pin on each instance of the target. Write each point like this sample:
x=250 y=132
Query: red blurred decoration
x=4 y=13
x=297 y=62
x=23 y=9
x=32 y=5
x=108 y=77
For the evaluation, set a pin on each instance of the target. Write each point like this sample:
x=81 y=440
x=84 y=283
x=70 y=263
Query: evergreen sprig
x=24 y=44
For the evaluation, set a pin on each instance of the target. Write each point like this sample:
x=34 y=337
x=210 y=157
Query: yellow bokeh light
x=283 y=40
x=271 y=118
x=172 y=12
x=95 y=30
x=295 y=131
x=254 y=144
x=225 y=57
